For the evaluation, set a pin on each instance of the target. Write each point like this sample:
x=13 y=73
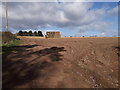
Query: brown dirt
x=62 y=63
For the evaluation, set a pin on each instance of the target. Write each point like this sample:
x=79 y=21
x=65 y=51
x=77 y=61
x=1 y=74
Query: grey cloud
x=65 y=15
x=113 y=11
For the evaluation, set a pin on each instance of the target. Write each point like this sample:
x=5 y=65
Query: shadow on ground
x=18 y=70
x=6 y=49
x=118 y=48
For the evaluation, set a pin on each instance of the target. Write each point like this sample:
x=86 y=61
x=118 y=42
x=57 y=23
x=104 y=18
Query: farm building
x=53 y=35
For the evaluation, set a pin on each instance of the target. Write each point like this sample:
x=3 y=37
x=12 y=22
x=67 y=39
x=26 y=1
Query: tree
x=30 y=33
x=20 y=33
x=40 y=33
x=35 y=33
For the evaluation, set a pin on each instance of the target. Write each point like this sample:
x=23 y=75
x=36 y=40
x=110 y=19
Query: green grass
x=6 y=48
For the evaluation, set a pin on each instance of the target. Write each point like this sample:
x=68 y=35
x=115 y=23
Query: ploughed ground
x=62 y=63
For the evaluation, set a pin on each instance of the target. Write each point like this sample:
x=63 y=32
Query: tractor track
x=62 y=63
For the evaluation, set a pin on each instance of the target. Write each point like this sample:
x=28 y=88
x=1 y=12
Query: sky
x=70 y=18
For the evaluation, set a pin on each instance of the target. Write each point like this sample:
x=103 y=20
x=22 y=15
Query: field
x=62 y=63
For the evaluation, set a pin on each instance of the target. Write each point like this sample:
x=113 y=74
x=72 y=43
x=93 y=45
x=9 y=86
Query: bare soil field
x=62 y=63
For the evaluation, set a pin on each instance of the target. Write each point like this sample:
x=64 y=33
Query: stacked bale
x=53 y=35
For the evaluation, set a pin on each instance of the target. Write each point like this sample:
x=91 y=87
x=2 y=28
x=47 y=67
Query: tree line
x=30 y=33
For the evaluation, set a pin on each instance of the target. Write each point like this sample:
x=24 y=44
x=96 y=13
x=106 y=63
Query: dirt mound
x=7 y=37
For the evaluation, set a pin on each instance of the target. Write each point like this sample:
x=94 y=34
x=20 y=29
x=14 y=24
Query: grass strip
x=8 y=47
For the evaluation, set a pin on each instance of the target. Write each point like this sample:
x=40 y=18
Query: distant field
x=85 y=62
x=62 y=37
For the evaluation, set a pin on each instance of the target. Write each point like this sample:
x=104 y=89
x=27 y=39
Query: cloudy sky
x=71 y=19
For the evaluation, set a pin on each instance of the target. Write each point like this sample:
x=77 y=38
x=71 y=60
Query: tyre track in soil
x=95 y=79
x=82 y=65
